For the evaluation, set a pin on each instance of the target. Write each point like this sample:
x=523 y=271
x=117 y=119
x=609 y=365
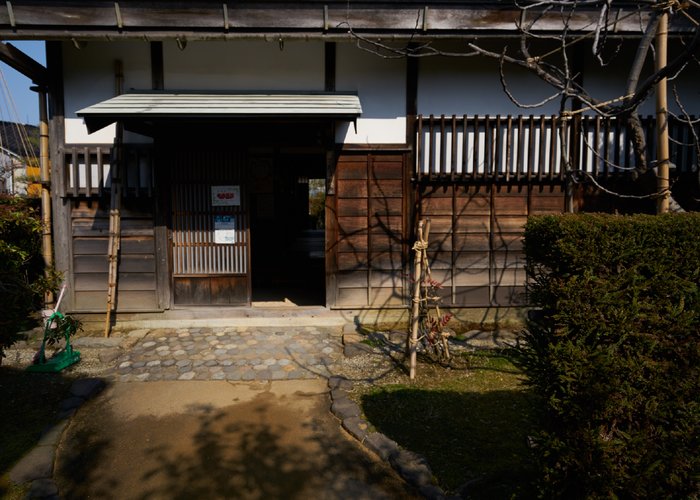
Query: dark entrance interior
x=287 y=217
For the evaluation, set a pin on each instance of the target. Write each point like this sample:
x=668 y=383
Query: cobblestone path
x=231 y=354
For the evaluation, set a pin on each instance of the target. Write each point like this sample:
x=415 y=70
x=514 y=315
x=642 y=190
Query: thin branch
x=658 y=194
x=688 y=120
x=605 y=160
x=515 y=101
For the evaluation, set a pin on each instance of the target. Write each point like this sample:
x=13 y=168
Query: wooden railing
x=88 y=170
x=538 y=148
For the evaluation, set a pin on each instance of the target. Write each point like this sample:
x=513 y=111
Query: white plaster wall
x=244 y=65
x=89 y=78
x=472 y=86
x=381 y=85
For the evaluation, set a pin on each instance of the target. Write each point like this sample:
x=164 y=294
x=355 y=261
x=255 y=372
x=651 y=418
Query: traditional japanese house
x=215 y=124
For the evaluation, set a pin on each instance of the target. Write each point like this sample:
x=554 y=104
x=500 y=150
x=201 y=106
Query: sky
x=26 y=102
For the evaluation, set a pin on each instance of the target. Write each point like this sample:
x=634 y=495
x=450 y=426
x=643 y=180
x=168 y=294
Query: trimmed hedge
x=613 y=351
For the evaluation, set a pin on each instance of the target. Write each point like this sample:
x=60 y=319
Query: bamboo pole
x=662 y=157
x=46 y=234
x=114 y=230
x=412 y=344
x=115 y=208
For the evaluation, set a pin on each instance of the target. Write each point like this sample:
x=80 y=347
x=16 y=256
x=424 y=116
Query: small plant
x=434 y=334
x=62 y=328
x=57 y=327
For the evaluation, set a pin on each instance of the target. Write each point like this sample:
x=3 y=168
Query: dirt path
x=217 y=440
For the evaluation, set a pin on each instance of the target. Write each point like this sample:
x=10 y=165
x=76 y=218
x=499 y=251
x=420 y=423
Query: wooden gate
x=210 y=252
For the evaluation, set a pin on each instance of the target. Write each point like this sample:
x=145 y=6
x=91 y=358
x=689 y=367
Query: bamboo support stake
x=420 y=266
x=412 y=344
x=115 y=208
x=662 y=157
x=46 y=234
x=114 y=231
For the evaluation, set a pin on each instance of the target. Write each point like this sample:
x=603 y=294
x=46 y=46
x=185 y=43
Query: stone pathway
x=231 y=353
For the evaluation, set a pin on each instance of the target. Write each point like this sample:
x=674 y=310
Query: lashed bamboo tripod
x=423 y=326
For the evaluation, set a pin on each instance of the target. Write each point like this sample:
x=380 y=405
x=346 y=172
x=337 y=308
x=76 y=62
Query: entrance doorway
x=287 y=219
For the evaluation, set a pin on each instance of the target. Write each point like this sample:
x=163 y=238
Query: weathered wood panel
x=352 y=188
x=133 y=301
x=98 y=245
x=352 y=243
x=97 y=282
x=136 y=283
x=352 y=279
x=476 y=238
x=369 y=253
x=228 y=290
x=205 y=19
x=383 y=297
x=350 y=261
x=352 y=297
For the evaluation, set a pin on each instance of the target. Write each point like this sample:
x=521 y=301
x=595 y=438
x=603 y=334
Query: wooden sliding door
x=210 y=252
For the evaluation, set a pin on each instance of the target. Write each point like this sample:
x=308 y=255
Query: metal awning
x=152 y=106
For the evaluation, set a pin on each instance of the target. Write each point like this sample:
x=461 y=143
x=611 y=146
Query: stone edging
x=412 y=467
x=36 y=467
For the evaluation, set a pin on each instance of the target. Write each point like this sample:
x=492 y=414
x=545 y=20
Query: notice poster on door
x=225 y=196
x=224 y=229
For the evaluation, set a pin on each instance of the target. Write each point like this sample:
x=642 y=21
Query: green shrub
x=22 y=282
x=612 y=351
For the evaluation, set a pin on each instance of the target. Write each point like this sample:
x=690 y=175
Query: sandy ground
x=213 y=439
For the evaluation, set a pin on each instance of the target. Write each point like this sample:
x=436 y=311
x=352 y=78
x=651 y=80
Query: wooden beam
x=16 y=59
x=303 y=19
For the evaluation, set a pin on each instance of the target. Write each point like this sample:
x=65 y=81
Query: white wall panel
x=244 y=65
x=89 y=78
x=381 y=85
x=471 y=86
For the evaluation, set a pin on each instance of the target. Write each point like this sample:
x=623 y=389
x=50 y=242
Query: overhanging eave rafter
x=205 y=20
x=21 y=62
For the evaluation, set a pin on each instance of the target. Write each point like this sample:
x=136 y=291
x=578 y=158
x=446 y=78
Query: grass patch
x=30 y=402
x=470 y=424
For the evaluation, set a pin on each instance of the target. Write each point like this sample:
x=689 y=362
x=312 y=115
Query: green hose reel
x=57 y=326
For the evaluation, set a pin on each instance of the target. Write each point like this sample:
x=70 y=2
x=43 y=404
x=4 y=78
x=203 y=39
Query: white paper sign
x=225 y=196
x=224 y=229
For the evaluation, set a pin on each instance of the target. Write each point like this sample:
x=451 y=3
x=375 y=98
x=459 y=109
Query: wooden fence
x=538 y=148
x=88 y=170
